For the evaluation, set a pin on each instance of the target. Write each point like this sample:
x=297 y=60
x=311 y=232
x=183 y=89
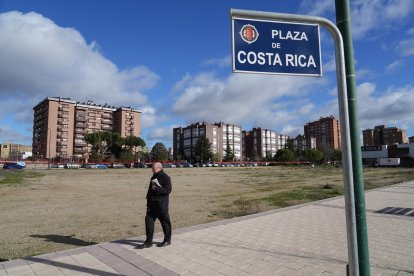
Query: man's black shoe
x=144 y=245
x=164 y=244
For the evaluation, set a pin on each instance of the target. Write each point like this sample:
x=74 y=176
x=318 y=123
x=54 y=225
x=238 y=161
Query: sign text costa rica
x=273 y=47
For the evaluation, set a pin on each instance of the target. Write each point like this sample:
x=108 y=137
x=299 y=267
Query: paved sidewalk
x=308 y=239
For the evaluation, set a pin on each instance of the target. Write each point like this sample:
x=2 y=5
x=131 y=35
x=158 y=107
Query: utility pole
x=343 y=21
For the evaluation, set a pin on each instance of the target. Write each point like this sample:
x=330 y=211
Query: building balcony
x=107 y=115
x=63 y=115
x=106 y=121
x=80 y=144
x=81 y=125
x=80 y=150
x=81 y=119
x=106 y=127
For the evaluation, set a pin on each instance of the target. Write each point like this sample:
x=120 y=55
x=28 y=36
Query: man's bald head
x=156 y=167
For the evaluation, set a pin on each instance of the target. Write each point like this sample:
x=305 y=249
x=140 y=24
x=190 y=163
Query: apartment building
x=219 y=134
x=394 y=135
x=383 y=135
x=282 y=141
x=411 y=139
x=260 y=143
x=301 y=143
x=13 y=151
x=60 y=125
x=326 y=131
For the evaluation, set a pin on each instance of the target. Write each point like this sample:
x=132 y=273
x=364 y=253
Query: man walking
x=157 y=206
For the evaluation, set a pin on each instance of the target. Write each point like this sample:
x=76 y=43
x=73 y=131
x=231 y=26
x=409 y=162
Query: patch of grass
x=301 y=195
x=239 y=207
x=14 y=177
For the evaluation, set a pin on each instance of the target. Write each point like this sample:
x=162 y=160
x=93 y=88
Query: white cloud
x=220 y=62
x=367 y=16
x=394 y=65
x=379 y=16
x=148 y=117
x=317 y=7
x=9 y=135
x=161 y=133
x=248 y=100
x=394 y=106
x=40 y=58
x=406 y=47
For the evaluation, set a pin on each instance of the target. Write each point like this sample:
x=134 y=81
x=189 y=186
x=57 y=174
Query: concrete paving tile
x=217 y=266
x=55 y=272
x=103 y=268
x=23 y=274
x=196 y=268
x=41 y=267
x=188 y=273
x=19 y=270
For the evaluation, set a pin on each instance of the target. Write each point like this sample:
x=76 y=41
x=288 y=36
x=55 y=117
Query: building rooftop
x=88 y=103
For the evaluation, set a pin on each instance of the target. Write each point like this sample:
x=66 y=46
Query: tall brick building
x=326 y=131
x=383 y=135
x=60 y=124
x=185 y=139
x=259 y=143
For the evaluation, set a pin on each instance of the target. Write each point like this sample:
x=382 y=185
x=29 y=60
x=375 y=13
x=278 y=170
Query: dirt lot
x=43 y=211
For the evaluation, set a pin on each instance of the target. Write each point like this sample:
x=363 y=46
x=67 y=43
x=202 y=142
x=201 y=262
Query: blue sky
x=171 y=59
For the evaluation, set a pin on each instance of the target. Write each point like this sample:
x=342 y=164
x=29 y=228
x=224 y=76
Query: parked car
x=57 y=166
x=15 y=166
x=129 y=165
x=101 y=166
x=140 y=165
x=72 y=166
x=117 y=166
x=89 y=166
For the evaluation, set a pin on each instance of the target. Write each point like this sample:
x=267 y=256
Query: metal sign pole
x=343 y=114
x=343 y=21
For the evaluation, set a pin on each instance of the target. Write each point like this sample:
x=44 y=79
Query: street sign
x=272 y=47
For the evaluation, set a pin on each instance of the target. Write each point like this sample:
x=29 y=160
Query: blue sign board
x=273 y=47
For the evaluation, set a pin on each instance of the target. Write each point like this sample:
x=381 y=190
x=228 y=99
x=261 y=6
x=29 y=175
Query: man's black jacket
x=160 y=196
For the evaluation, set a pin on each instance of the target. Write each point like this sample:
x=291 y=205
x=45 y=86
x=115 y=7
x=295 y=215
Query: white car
x=57 y=166
x=72 y=166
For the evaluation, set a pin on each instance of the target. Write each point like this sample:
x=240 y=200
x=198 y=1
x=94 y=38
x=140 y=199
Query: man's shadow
x=64 y=239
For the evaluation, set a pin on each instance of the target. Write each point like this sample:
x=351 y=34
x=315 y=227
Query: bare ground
x=62 y=209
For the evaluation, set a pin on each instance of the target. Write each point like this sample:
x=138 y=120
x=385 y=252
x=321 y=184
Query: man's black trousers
x=155 y=211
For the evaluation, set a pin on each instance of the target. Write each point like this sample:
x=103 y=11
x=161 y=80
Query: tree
x=290 y=145
x=202 y=150
x=313 y=155
x=101 y=144
x=337 y=155
x=159 y=152
x=217 y=157
x=116 y=146
x=327 y=153
x=228 y=153
x=284 y=155
x=132 y=143
x=268 y=156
